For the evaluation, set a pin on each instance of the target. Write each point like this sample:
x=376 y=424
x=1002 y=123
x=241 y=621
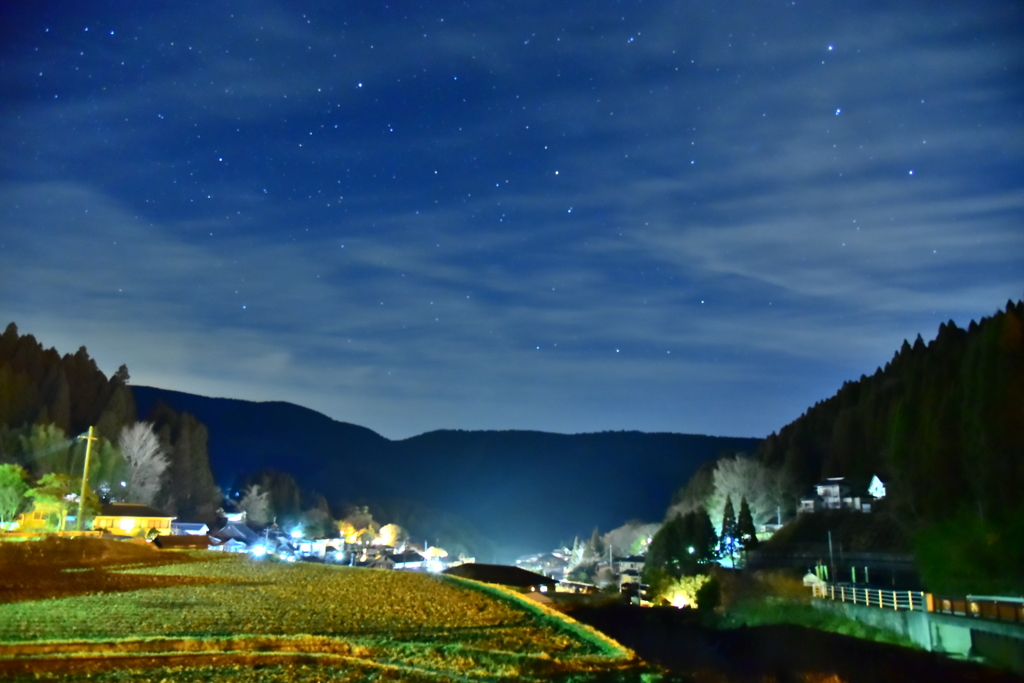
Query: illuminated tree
x=575 y=557
x=392 y=535
x=765 y=488
x=348 y=532
x=728 y=537
x=358 y=525
x=62 y=492
x=147 y=460
x=13 y=487
x=48 y=449
x=680 y=547
x=285 y=497
x=255 y=504
x=630 y=538
x=682 y=592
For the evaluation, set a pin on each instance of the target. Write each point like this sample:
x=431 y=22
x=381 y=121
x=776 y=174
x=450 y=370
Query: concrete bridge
x=990 y=627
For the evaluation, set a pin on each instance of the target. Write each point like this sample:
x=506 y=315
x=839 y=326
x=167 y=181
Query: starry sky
x=567 y=216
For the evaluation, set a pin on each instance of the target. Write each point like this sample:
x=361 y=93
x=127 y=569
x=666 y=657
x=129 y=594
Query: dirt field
x=112 y=611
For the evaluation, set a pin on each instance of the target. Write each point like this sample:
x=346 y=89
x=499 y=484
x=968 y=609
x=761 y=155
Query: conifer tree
x=728 y=537
x=745 y=530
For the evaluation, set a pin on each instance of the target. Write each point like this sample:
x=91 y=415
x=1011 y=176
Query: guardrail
x=988 y=607
x=874 y=597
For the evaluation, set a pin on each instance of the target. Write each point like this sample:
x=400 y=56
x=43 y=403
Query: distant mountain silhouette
x=525 y=491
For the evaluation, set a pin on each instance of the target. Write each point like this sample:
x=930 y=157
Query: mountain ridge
x=526 y=490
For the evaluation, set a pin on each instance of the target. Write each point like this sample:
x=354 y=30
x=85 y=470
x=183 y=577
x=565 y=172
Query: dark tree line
x=39 y=386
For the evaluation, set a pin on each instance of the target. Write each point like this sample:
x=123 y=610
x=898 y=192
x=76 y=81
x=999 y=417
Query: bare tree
x=631 y=538
x=255 y=504
x=765 y=488
x=147 y=460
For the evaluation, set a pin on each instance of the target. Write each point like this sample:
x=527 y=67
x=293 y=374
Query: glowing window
x=127 y=523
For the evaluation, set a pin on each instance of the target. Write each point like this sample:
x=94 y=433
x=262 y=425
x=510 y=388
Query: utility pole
x=85 y=477
x=831 y=557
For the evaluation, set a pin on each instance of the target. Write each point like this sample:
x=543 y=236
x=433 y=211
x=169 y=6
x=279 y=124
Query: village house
x=548 y=564
x=505 y=575
x=130 y=519
x=42 y=517
x=839 y=493
x=632 y=563
x=235 y=536
x=189 y=529
x=409 y=559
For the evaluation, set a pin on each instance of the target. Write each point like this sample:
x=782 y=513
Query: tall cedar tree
x=745 y=530
x=728 y=537
x=189 y=490
x=728 y=520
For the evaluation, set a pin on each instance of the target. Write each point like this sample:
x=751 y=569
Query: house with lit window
x=42 y=517
x=129 y=519
x=838 y=493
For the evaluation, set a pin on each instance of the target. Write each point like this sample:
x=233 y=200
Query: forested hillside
x=39 y=386
x=46 y=400
x=943 y=424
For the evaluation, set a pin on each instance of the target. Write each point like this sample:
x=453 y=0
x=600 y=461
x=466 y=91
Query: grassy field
x=115 y=611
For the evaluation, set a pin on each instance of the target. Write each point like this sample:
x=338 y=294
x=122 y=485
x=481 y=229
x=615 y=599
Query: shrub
x=684 y=591
x=709 y=595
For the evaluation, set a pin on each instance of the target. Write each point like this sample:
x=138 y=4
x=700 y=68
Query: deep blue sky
x=568 y=216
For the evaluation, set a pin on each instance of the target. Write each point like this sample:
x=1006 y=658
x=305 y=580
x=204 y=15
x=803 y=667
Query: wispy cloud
x=656 y=217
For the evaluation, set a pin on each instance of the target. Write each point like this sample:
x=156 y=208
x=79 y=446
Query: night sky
x=567 y=216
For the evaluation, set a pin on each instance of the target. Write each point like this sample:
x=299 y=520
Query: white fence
x=873 y=597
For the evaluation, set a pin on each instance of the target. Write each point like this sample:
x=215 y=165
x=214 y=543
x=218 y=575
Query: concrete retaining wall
x=915 y=626
x=1000 y=644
